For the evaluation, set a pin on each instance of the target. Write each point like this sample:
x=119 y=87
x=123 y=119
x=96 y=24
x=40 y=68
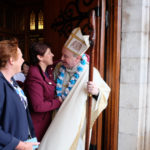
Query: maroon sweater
x=40 y=91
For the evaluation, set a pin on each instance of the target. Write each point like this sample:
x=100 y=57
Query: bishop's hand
x=92 y=88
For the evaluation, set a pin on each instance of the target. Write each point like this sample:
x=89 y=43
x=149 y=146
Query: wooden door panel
x=60 y=18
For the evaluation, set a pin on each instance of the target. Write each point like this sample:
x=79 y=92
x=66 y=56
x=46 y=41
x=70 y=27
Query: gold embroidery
x=73 y=35
x=65 y=85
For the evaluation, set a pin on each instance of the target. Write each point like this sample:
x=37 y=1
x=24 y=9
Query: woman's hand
x=60 y=99
x=26 y=145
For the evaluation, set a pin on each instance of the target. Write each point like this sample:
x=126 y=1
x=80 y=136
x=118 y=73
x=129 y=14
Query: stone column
x=134 y=113
x=147 y=126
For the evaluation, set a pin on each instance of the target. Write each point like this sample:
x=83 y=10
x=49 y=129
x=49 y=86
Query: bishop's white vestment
x=67 y=130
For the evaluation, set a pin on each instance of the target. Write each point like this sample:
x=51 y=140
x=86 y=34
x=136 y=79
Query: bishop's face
x=68 y=58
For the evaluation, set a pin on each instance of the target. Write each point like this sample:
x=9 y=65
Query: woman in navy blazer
x=40 y=88
x=15 y=121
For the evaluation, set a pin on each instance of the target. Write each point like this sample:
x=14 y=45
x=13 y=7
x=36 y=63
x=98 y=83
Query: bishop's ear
x=78 y=58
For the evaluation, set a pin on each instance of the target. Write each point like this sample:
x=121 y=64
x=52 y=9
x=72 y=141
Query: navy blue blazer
x=14 y=119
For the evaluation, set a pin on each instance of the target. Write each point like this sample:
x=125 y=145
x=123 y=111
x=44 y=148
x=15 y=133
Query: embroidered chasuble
x=67 y=130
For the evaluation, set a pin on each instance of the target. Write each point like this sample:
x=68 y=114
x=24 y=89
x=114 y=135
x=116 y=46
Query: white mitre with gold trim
x=77 y=43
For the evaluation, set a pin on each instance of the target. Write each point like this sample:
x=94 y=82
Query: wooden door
x=60 y=18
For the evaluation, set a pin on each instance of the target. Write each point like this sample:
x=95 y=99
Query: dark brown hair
x=25 y=63
x=8 y=48
x=37 y=49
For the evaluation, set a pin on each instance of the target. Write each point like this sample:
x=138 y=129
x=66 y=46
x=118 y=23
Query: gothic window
x=32 y=21
x=40 y=20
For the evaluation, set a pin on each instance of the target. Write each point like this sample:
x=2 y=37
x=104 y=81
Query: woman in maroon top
x=40 y=88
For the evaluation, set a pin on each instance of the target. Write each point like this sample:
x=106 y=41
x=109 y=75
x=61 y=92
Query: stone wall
x=134 y=109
